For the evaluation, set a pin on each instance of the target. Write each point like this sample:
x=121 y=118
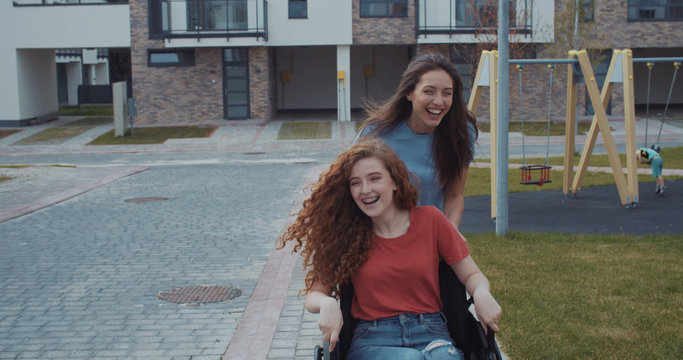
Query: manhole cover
x=202 y=294
x=145 y=199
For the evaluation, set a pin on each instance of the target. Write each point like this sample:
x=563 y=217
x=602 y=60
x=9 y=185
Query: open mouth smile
x=370 y=201
x=435 y=111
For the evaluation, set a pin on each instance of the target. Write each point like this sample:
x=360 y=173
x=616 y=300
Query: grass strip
x=154 y=135
x=103 y=110
x=577 y=296
x=59 y=134
x=54 y=135
x=92 y=121
x=537 y=128
x=14 y=166
x=673 y=159
x=479 y=181
x=5 y=133
x=305 y=130
x=5 y=178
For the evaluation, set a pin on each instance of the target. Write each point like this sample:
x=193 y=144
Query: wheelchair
x=466 y=332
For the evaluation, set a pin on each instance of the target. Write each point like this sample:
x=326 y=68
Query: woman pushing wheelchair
x=361 y=225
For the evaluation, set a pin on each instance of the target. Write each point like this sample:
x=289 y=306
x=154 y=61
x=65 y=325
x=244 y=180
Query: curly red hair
x=332 y=234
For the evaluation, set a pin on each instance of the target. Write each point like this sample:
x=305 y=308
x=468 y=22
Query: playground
x=578 y=66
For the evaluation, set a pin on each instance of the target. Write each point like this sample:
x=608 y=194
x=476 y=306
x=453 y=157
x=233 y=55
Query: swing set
x=620 y=71
x=650 y=63
x=543 y=170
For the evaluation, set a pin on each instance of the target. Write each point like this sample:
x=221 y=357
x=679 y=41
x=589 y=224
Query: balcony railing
x=70 y=53
x=66 y=2
x=470 y=16
x=655 y=10
x=209 y=18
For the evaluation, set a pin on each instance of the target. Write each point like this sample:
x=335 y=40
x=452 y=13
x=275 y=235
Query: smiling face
x=431 y=99
x=372 y=188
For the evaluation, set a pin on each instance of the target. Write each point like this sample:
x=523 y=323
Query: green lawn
x=479 y=179
x=537 y=128
x=61 y=133
x=4 y=133
x=573 y=296
x=154 y=135
x=673 y=159
x=90 y=110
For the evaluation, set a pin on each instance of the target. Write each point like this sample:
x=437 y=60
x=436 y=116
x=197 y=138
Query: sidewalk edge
x=65 y=195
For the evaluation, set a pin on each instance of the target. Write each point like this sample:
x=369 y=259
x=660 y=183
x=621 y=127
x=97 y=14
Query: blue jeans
x=403 y=337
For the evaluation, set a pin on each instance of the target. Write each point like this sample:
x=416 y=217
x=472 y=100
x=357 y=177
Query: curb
x=256 y=329
x=65 y=195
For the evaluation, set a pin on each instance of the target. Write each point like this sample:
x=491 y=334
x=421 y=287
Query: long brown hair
x=451 y=145
x=333 y=235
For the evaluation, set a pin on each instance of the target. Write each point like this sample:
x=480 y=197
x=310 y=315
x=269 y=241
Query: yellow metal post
x=493 y=110
x=479 y=83
x=570 y=124
x=630 y=125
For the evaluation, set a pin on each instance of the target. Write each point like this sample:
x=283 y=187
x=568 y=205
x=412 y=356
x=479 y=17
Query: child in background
x=652 y=157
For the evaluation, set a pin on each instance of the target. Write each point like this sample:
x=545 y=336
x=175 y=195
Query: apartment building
x=199 y=60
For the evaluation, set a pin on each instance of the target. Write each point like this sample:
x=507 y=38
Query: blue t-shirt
x=651 y=154
x=416 y=152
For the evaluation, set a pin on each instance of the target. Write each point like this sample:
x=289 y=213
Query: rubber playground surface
x=594 y=210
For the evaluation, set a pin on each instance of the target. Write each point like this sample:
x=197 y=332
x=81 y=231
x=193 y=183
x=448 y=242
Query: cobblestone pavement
x=81 y=268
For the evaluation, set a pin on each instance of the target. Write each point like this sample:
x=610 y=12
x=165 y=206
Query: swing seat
x=544 y=172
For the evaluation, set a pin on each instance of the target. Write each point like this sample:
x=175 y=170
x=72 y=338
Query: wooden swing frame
x=620 y=71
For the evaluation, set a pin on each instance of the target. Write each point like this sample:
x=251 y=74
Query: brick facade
x=189 y=94
x=174 y=94
x=611 y=19
x=194 y=94
x=383 y=30
x=260 y=84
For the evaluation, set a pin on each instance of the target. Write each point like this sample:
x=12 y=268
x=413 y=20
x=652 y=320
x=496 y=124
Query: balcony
x=470 y=17
x=66 y=2
x=199 y=19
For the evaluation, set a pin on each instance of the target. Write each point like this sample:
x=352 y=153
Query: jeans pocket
x=361 y=331
x=436 y=325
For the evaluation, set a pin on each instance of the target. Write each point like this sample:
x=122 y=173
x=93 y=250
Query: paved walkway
x=269 y=323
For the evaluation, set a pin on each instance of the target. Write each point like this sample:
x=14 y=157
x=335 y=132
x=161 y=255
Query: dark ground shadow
x=594 y=210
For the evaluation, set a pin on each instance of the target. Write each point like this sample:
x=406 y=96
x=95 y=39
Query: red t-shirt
x=402 y=274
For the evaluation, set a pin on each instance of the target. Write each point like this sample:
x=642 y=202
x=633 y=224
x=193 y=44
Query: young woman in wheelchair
x=361 y=224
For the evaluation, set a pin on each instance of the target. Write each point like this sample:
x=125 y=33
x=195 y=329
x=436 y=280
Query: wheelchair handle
x=326 y=350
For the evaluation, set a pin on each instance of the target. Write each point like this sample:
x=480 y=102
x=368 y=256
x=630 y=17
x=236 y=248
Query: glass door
x=236 y=83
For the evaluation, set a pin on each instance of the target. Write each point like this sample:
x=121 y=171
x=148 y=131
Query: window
x=158 y=18
x=483 y=14
x=170 y=58
x=587 y=10
x=298 y=9
x=383 y=8
x=654 y=10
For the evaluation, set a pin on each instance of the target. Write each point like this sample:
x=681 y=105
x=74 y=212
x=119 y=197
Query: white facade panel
x=74 y=77
x=328 y=23
x=376 y=72
x=9 y=97
x=307 y=77
x=37 y=75
x=51 y=27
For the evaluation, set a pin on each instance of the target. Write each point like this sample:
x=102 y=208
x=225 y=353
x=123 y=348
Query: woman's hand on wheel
x=330 y=321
